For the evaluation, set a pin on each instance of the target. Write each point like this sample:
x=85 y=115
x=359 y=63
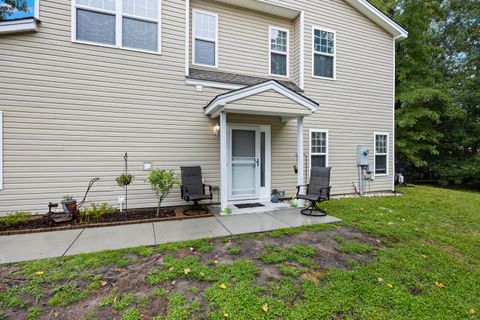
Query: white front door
x=245 y=162
x=249 y=158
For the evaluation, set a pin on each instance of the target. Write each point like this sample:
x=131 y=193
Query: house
x=254 y=91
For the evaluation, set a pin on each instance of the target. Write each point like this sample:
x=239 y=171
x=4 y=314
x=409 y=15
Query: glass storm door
x=245 y=162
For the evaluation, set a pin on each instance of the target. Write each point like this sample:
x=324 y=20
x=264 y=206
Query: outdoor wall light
x=216 y=130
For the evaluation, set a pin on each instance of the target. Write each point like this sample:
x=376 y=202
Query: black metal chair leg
x=195 y=210
x=312 y=207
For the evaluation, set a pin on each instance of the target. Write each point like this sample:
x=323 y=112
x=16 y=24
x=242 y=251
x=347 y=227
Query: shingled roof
x=232 y=78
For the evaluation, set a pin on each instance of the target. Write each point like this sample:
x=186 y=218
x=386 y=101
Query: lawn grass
x=419 y=259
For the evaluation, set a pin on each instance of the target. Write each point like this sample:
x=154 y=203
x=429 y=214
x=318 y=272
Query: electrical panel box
x=362 y=155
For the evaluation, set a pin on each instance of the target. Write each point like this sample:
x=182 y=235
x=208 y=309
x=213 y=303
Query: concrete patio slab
x=34 y=246
x=110 y=238
x=294 y=218
x=251 y=223
x=190 y=229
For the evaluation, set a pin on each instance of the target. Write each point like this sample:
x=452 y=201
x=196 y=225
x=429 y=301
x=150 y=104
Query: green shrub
x=97 y=211
x=161 y=182
x=15 y=219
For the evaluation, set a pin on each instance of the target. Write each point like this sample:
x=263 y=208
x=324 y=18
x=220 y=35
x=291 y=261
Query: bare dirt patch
x=153 y=300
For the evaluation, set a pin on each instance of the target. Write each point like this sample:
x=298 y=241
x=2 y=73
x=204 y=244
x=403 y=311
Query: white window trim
x=118 y=13
x=310 y=154
x=380 y=154
x=270 y=51
x=334 y=55
x=1 y=150
x=194 y=10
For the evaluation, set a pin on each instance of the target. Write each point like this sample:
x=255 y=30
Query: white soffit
x=19 y=25
x=263 y=6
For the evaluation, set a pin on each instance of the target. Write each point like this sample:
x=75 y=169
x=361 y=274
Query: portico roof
x=266 y=98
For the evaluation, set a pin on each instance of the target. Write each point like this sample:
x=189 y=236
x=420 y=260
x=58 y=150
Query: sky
x=17 y=15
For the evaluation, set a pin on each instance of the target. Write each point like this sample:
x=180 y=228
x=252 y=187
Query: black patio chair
x=193 y=189
x=318 y=190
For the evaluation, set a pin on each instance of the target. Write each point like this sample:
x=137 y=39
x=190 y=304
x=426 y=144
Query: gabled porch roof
x=293 y=104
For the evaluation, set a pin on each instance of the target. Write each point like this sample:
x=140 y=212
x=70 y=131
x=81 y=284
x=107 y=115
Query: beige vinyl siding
x=267 y=102
x=243 y=39
x=70 y=111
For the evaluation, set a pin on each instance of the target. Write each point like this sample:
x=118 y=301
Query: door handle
x=257 y=161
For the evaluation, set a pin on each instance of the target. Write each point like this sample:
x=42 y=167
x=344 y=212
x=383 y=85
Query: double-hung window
x=205 y=38
x=278 y=52
x=130 y=24
x=381 y=153
x=318 y=148
x=324 y=53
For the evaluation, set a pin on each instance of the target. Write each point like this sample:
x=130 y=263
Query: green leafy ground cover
x=411 y=257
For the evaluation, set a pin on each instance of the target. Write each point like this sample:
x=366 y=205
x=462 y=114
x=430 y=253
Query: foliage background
x=438 y=88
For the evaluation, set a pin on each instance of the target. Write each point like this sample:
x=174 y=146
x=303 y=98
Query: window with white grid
x=278 y=52
x=324 y=53
x=381 y=153
x=132 y=24
x=318 y=148
x=205 y=38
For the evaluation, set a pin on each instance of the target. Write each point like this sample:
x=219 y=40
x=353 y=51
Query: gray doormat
x=249 y=205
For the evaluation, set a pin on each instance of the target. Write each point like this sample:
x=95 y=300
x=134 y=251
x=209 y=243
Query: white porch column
x=223 y=162
x=300 y=161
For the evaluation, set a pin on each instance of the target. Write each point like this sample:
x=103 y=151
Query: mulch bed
x=38 y=223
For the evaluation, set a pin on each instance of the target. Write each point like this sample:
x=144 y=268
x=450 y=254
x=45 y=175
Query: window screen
x=95 y=27
x=140 y=34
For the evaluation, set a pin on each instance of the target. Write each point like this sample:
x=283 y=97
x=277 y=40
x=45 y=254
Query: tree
x=437 y=101
x=162 y=182
x=10 y=6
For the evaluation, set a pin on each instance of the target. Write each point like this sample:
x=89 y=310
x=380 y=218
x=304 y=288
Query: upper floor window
x=205 y=38
x=318 y=148
x=278 y=52
x=381 y=153
x=134 y=24
x=324 y=53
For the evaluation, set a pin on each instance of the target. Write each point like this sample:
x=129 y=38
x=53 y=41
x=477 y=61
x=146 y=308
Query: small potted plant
x=123 y=181
x=69 y=204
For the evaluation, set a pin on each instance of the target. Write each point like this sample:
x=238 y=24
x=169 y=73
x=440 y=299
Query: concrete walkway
x=63 y=243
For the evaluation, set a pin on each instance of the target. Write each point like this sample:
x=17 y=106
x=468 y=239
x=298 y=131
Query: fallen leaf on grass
x=265 y=307
x=439 y=285
x=174 y=282
x=223 y=286
x=472 y=311
x=40 y=273
x=313 y=276
x=226 y=315
x=389 y=285
x=103 y=283
x=186 y=271
x=191 y=249
x=171 y=269
x=380 y=280
x=117 y=270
